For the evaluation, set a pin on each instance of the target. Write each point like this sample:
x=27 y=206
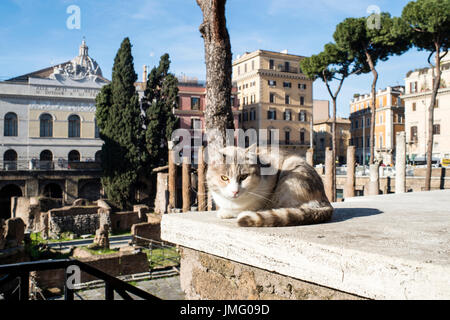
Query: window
x=381 y=141
x=271 y=135
x=245 y=116
x=287 y=115
x=287 y=99
x=271 y=64
x=381 y=119
x=97 y=131
x=302 y=116
x=302 y=86
x=302 y=100
x=302 y=137
x=252 y=114
x=74 y=126
x=74 y=156
x=272 y=83
x=195 y=103
x=287 y=137
x=413 y=87
x=10 y=160
x=46 y=125
x=272 y=98
x=436 y=129
x=253 y=64
x=414 y=106
x=10 y=125
x=414 y=134
x=245 y=68
x=196 y=124
x=272 y=114
x=287 y=85
x=239 y=70
x=286 y=66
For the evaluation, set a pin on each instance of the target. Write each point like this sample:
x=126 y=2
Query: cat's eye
x=243 y=177
x=225 y=178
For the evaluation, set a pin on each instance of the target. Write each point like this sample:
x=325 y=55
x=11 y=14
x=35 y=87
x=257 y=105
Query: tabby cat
x=292 y=195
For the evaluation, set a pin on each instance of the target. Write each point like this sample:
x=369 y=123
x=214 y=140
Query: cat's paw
x=226 y=214
x=247 y=219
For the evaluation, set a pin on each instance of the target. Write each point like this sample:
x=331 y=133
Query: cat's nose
x=235 y=193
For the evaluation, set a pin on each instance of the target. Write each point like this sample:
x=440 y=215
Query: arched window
x=98 y=156
x=10 y=125
x=74 y=126
x=46 y=160
x=74 y=155
x=46 y=125
x=10 y=160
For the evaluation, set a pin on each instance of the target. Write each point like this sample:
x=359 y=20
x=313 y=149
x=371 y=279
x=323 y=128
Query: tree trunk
x=333 y=170
x=373 y=108
x=437 y=83
x=218 y=113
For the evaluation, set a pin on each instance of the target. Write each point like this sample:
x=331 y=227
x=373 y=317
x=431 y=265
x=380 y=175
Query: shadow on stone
x=343 y=214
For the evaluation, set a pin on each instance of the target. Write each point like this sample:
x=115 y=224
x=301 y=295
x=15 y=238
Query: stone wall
x=148 y=230
x=122 y=221
x=78 y=220
x=208 y=277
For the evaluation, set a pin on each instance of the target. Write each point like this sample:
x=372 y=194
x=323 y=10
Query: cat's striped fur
x=293 y=195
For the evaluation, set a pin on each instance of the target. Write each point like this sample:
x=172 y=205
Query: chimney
x=144 y=75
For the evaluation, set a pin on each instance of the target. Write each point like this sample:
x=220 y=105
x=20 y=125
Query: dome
x=80 y=67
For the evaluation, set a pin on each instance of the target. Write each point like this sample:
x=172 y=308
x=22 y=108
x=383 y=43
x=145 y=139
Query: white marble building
x=49 y=115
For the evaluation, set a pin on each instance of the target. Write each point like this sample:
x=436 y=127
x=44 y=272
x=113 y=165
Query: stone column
x=400 y=163
x=32 y=187
x=310 y=157
x=71 y=192
x=349 y=190
x=186 y=184
x=201 y=190
x=172 y=179
x=374 y=179
x=329 y=174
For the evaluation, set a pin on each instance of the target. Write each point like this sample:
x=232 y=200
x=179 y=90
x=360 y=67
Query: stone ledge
x=391 y=247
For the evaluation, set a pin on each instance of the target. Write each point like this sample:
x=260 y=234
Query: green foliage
x=331 y=64
x=355 y=37
x=160 y=98
x=429 y=22
x=121 y=128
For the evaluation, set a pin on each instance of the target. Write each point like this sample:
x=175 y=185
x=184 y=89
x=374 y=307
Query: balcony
x=55 y=165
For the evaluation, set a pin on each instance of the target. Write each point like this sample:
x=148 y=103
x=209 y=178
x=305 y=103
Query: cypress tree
x=120 y=124
x=160 y=98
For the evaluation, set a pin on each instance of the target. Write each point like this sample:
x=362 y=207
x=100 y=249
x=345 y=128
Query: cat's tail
x=283 y=217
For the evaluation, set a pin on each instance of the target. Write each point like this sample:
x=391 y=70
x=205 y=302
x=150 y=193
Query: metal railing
x=41 y=165
x=21 y=271
x=160 y=254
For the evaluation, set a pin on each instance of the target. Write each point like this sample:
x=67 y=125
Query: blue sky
x=34 y=34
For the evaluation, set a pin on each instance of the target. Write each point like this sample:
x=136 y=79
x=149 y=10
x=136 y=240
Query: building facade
x=323 y=139
x=275 y=96
x=389 y=119
x=417 y=99
x=48 y=116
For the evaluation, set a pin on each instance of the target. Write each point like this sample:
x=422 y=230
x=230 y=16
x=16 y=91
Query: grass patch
x=162 y=257
x=99 y=251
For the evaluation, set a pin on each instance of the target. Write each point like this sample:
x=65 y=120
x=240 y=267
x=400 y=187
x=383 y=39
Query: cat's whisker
x=260 y=196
